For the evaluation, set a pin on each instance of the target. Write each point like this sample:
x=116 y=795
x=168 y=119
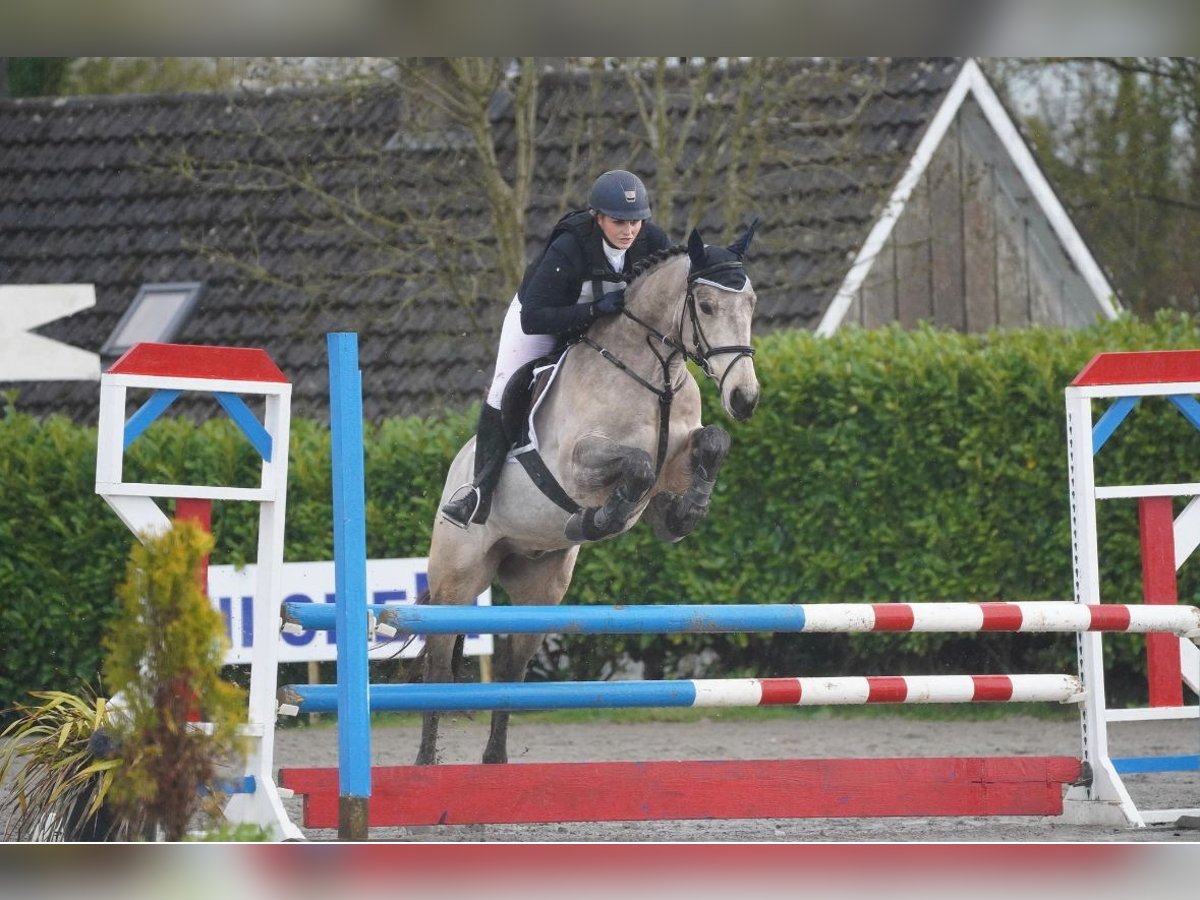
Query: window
x=157 y=313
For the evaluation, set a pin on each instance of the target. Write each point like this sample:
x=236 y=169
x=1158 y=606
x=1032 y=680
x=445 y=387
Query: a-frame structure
x=1054 y=278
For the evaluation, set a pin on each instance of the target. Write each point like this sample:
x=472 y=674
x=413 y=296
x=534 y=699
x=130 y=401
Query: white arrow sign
x=31 y=357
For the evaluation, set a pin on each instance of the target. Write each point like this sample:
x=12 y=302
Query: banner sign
x=389 y=581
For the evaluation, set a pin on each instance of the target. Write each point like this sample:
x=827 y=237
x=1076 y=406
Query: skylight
x=157 y=314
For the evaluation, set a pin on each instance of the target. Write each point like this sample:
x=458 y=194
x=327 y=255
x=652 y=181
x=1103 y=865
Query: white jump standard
x=226 y=373
x=1167 y=541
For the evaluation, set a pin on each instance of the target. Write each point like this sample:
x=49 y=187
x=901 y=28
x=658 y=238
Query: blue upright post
x=350 y=583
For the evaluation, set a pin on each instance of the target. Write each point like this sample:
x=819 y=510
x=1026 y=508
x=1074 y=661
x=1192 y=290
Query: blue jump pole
x=350 y=583
x=507 y=696
x=470 y=619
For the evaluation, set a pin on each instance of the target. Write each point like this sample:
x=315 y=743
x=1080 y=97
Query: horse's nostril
x=742 y=403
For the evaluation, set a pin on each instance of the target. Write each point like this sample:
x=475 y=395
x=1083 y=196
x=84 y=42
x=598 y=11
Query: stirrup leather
x=453 y=509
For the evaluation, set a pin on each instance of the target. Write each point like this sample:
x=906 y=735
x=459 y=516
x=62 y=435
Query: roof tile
x=119 y=191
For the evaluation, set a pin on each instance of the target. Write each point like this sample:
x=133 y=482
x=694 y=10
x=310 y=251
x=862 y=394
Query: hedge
x=888 y=465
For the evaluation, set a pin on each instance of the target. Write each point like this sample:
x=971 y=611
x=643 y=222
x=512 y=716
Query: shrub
x=164 y=658
x=886 y=465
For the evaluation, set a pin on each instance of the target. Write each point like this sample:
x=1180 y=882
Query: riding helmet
x=621 y=195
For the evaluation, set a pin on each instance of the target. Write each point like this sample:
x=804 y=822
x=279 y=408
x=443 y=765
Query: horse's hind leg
x=541 y=581
x=458 y=573
x=673 y=516
x=439 y=656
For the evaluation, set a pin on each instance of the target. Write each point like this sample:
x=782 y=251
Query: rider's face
x=619 y=232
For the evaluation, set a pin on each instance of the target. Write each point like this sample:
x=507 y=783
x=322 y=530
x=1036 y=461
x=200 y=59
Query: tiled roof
x=96 y=190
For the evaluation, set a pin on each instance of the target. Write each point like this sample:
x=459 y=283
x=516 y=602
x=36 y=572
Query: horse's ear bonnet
x=720 y=267
x=696 y=252
x=742 y=244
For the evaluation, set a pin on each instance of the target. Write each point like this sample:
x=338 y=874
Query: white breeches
x=516 y=349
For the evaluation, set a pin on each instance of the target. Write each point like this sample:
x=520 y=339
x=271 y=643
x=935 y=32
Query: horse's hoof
x=581 y=526
x=573 y=530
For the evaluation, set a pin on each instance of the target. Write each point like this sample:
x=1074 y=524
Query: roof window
x=157 y=314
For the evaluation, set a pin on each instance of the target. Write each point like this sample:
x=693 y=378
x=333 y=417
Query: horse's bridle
x=701 y=351
x=704 y=351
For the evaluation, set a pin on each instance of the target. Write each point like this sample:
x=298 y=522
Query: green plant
x=58 y=783
x=165 y=651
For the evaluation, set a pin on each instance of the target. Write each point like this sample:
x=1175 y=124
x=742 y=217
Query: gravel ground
x=715 y=738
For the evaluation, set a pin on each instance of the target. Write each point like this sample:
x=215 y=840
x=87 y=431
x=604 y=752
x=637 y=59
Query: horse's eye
x=706 y=307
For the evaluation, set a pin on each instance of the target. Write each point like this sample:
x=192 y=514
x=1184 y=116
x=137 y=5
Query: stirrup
x=453 y=512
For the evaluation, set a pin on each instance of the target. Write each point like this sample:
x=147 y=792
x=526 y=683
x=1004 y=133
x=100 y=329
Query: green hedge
x=888 y=465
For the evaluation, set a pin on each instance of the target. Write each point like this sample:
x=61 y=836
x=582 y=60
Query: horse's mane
x=652 y=262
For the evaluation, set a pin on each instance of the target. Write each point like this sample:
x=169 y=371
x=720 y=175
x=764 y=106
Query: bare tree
x=1120 y=137
x=404 y=222
x=426 y=191
x=466 y=90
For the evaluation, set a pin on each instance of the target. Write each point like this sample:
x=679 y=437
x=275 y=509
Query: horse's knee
x=679 y=516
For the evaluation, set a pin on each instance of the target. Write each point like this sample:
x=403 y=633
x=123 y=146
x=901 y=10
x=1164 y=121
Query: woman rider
x=575 y=281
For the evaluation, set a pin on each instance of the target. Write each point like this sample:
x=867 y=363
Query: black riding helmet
x=621 y=195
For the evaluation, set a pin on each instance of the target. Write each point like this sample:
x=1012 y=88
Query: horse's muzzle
x=742 y=403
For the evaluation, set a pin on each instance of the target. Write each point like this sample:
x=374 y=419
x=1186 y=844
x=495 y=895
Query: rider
x=576 y=280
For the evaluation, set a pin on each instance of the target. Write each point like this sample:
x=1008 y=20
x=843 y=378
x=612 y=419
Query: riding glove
x=610 y=304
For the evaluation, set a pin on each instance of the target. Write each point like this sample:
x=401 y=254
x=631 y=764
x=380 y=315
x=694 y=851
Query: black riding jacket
x=551 y=288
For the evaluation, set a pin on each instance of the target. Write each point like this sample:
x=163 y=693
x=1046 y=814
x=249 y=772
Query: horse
x=619 y=439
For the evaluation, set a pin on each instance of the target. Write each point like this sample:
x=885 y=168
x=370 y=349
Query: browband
x=731 y=282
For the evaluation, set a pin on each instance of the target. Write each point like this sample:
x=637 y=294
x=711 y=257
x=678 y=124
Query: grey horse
x=619 y=429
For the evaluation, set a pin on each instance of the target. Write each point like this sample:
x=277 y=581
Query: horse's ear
x=742 y=244
x=696 y=250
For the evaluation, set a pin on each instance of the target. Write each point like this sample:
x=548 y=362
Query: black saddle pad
x=518 y=399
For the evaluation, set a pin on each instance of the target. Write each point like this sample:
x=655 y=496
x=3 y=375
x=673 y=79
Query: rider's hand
x=610 y=304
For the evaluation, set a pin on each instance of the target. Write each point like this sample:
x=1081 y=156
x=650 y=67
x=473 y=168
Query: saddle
x=521 y=395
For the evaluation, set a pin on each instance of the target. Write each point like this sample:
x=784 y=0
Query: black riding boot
x=473 y=502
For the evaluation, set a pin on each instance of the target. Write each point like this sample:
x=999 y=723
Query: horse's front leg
x=601 y=461
x=673 y=516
